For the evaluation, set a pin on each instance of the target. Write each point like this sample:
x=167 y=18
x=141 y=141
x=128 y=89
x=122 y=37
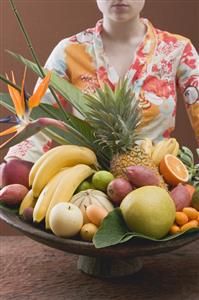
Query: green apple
x=149 y=210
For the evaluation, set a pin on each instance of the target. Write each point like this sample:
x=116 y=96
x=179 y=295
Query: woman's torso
x=152 y=73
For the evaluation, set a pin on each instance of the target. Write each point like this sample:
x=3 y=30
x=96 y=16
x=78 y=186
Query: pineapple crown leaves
x=114 y=116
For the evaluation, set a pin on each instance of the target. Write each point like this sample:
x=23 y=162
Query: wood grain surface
x=32 y=271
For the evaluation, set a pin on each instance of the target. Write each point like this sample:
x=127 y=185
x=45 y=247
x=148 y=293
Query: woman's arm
x=188 y=82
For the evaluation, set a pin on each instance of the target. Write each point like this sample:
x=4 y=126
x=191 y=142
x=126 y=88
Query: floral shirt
x=162 y=63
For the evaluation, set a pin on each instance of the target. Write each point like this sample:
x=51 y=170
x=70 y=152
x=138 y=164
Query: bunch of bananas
x=186 y=156
x=55 y=177
x=158 y=151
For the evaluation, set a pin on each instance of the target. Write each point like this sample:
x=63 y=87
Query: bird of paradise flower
x=23 y=104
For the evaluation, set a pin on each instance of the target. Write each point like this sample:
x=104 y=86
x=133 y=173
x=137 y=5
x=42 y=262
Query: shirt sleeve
x=32 y=148
x=188 y=82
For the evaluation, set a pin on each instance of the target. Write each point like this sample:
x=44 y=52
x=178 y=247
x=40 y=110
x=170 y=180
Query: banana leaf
x=14 y=210
x=66 y=89
x=113 y=231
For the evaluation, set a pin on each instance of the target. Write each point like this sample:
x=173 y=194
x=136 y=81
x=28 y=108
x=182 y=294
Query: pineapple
x=115 y=117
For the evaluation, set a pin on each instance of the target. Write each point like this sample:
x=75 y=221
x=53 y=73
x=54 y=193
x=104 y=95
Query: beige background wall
x=48 y=21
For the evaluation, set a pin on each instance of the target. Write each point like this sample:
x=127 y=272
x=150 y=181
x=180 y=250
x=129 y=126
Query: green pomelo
x=101 y=179
x=195 y=199
x=149 y=210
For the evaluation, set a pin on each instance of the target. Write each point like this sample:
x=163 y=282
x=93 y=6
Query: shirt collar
x=150 y=28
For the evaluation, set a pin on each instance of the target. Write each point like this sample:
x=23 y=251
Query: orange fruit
x=173 y=170
x=174 y=229
x=191 y=189
x=191 y=213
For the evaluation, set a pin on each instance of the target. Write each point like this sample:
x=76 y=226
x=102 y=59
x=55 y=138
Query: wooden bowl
x=112 y=261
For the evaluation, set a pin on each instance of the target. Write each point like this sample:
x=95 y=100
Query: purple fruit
x=16 y=171
x=118 y=189
x=13 y=194
x=141 y=176
x=181 y=197
x=28 y=214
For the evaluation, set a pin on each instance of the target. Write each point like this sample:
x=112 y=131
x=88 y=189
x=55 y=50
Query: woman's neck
x=123 y=31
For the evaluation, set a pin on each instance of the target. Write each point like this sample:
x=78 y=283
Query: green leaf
x=46 y=110
x=80 y=125
x=114 y=231
x=82 y=134
x=6 y=101
x=66 y=89
x=14 y=209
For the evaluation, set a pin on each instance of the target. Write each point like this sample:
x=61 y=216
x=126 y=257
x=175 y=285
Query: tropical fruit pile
x=69 y=195
x=73 y=189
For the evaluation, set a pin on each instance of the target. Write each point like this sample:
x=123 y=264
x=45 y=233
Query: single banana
x=147 y=146
x=185 y=159
x=28 y=201
x=67 y=186
x=67 y=156
x=169 y=146
x=159 y=151
x=176 y=149
x=44 y=199
x=38 y=163
x=188 y=152
x=171 y=143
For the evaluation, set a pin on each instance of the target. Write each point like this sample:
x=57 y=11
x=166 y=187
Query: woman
x=122 y=45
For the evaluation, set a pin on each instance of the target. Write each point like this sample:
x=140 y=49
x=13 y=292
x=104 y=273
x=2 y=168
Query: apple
x=16 y=171
x=65 y=219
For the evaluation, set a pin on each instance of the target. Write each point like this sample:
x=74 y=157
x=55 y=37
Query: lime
x=85 y=185
x=195 y=199
x=101 y=179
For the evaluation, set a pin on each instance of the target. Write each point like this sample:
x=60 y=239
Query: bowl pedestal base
x=107 y=267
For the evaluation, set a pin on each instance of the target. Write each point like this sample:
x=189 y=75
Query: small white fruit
x=65 y=219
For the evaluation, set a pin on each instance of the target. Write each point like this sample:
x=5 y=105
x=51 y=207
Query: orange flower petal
x=16 y=98
x=35 y=99
x=10 y=130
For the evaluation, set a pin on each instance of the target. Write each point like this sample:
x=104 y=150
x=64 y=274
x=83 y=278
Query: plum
x=181 y=197
x=118 y=189
x=28 y=214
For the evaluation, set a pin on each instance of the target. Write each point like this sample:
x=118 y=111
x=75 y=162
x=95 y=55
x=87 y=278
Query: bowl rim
x=133 y=248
